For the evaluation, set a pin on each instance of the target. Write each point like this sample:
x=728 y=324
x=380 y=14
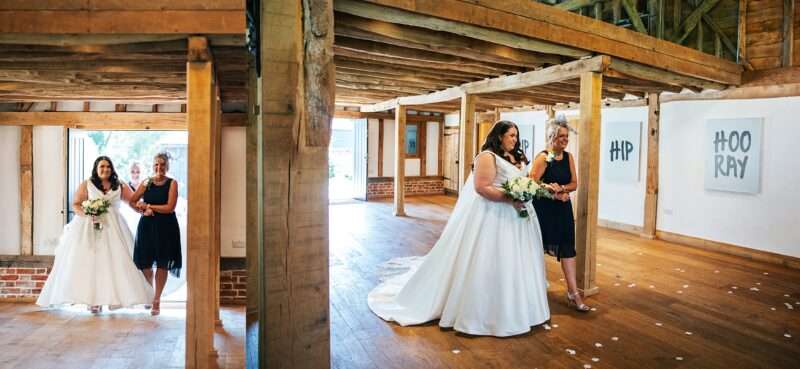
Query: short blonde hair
x=553 y=126
x=165 y=156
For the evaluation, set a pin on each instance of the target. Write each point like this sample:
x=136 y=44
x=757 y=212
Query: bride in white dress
x=95 y=267
x=485 y=275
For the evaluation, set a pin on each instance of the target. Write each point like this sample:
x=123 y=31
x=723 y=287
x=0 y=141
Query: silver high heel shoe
x=571 y=303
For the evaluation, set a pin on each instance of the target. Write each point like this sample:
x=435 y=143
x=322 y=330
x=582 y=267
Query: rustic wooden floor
x=660 y=305
x=32 y=338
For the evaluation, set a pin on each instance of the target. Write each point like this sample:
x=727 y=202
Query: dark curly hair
x=494 y=142
x=114 y=179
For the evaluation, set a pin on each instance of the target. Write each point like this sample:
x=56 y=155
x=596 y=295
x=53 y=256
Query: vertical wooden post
x=466 y=139
x=26 y=190
x=788 y=33
x=254 y=221
x=742 y=33
x=297 y=89
x=380 y=147
x=677 y=17
x=399 y=160
x=200 y=227
x=551 y=111
x=651 y=196
x=588 y=184
x=700 y=35
x=217 y=186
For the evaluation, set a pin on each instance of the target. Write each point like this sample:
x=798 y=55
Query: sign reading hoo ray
x=621 y=151
x=733 y=154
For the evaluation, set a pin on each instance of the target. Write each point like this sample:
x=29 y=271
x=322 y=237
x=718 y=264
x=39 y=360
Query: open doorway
x=347 y=160
x=132 y=152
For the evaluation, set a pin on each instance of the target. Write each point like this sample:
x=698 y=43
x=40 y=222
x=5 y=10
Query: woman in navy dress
x=556 y=168
x=158 y=241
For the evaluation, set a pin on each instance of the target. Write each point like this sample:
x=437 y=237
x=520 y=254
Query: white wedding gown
x=95 y=267
x=484 y=276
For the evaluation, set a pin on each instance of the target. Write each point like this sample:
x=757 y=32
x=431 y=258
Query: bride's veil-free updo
x=494 y=141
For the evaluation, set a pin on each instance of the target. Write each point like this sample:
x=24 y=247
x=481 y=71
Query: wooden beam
x=588 y=181
x=200 y=301
x=112 y=121
x=158 y=22
x=654 y=74
x=26 y=190
x=295 y=318
x=399 y=161
x=542 y=22
x=509 y=39
x=656 y=19
x=787 y=50
x=651 y=194
x=689 y=24
x=741 y=45
x=571 y=5
x=437 y=41
x=380 y=146
x=633 y=15
x=466 y=138
x=744 y=92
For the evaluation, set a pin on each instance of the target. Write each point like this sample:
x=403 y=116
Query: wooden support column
x=588 y=184
x=217 y=191
x=399 y=160
x=200 y=303
x=296 y=106
x=466 y=138
x=254 y=220
x=741 y=43
x=26 y=190
x=788 y=33
x=651 y=194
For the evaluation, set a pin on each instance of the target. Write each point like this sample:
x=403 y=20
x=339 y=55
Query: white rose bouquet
x=96 y=208
x=524 y=189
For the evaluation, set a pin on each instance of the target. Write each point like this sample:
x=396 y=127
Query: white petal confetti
x=593 y=309
x=734 y=287
x=615 y=338
x=638 y=253
x=651 y=286
x=547 y=327
x=598 y=344
x=595 y=359
x=632 y=285
x=773 y=309
x=787 y=335
x=730 y=291
x=716 y=271
x=679 y=358
x=754 y=289
x=616 y=284
x=682 y=270
x=599 y=264
x=765 y=273
x=587 y=366
x=685 y=286
x=789 y=306
x=571 y=351
x=555 y=325
x=785 y=295
x=758 y=283
x=561 y=279
x=688 y=333
x=797 y=302
x=679 y=291
x=659 y=324
x=456 y=351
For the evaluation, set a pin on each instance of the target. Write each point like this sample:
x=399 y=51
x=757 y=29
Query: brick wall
x=22 y=278
x=22 y=284
x=384 y=187
x=233 y=287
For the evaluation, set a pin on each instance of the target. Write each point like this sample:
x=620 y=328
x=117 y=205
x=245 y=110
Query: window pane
x=411 y=140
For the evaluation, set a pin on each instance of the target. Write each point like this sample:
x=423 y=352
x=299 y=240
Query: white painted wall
x=49 y=184
x=234 y=190
x=9 y=190
x=526 y=119
x=451 y=120
x=413 y=166
x=765 y=221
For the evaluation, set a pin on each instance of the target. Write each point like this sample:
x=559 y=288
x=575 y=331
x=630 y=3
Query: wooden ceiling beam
x=409 y=18
x=123 y=21
x=369 y=48
x=437 y=41
x=542 y=22
x=111 y=120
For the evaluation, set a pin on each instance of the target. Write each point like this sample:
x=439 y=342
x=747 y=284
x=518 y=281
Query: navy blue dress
x=158 y=238
x=555 y=216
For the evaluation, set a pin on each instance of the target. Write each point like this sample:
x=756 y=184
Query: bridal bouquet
x=95 y=208
x=524 y=189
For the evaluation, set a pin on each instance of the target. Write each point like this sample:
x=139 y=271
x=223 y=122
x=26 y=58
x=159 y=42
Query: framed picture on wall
x=621 y=151
x=733 y=154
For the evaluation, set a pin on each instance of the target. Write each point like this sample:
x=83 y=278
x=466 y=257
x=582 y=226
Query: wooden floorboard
x=35 y=338
x=703 y=324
